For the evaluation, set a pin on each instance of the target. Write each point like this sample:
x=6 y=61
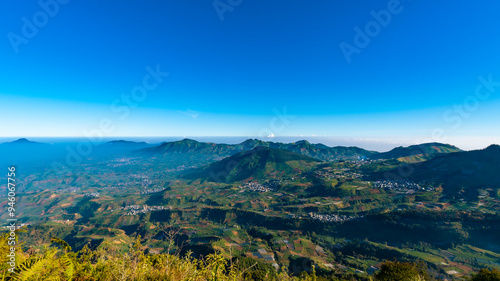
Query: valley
x=343 y=210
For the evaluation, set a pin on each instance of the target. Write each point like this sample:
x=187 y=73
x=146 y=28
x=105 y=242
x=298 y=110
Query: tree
x=401 y=271
x=486 y=275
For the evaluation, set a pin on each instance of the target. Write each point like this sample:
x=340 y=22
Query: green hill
x=190 y=146
x=260 y=162
x=416 y=153
x=464 y=171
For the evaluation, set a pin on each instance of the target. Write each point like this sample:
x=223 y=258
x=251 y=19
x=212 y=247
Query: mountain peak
x=179 y=142
x=124 y=142
x=252 y=142
x=493 y=147
x=186 y=140
x=22 y=140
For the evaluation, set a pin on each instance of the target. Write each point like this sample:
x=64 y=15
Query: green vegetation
x=260 y=162
x=402 y=272
x=486 y=275
x=273 y=211
x=59 y=262
x=461 y=174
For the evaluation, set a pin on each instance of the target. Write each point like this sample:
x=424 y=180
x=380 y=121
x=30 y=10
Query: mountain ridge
x=319 y=151
x=416 y=153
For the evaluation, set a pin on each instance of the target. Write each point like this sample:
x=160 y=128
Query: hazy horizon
x=375 y=144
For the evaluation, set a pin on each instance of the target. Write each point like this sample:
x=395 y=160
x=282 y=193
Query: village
x=154 y=190
x=400 y=185
x=265 y=187
x=331 y=218
x=136 y=209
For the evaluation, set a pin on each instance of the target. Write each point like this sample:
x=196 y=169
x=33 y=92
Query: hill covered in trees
x=258 y=163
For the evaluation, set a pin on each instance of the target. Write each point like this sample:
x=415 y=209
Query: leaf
x=61 y=243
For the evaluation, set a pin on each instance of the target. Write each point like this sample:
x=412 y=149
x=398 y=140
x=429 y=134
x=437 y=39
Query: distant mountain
x=125 y=142
x=23 y=141
x=258 y=163
x=191 y=146
x=118 y=147
x=318 y=151
x=467 y=170
x=28 y=154
x=416 y=153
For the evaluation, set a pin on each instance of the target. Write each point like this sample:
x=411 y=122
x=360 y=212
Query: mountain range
x=25 y=151
x=318 y=151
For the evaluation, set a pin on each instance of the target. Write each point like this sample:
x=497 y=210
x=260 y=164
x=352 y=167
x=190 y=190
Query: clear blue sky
x=231 y=71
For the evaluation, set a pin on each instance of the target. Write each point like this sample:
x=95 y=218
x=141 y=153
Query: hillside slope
x=416 y=153
x=258 y=163
x=460 y=172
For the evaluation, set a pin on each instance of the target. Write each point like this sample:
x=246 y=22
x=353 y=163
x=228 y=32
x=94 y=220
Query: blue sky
x=235 y=67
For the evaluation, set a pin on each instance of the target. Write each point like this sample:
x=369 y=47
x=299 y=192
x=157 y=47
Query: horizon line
x=266 y=139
